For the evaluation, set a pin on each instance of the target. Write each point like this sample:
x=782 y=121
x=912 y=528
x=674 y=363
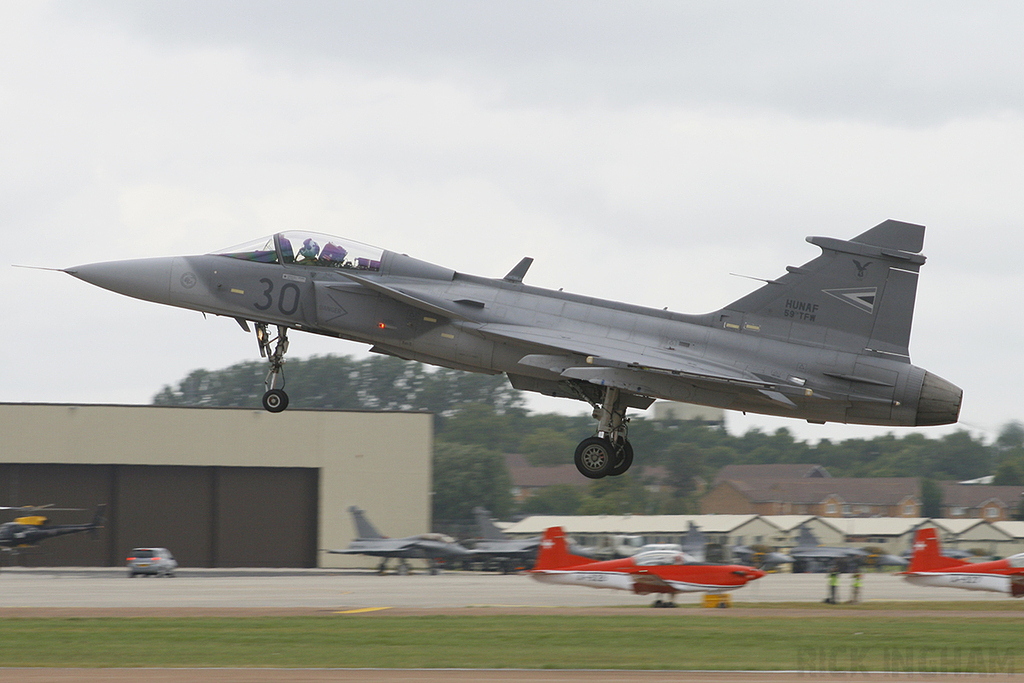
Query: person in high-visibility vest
x=855 y=596
x=833 y=588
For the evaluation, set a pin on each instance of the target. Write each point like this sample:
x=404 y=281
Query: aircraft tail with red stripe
x=554 y=551
x=927 y=555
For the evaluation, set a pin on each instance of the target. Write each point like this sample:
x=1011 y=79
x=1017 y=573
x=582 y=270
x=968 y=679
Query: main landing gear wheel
x=609 y=453
x=275 y=400
x=623 y=461
x=595 y=457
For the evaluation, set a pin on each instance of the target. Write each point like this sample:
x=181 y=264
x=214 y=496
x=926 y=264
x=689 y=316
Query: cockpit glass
x=1016 y=561
x=309 y=249
x=261 y=251
x=653 y=558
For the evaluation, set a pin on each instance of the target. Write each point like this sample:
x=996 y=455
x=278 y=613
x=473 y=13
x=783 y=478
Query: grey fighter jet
x=827 y=341
x=495 y=546
x=810 y=555
x=435 y=548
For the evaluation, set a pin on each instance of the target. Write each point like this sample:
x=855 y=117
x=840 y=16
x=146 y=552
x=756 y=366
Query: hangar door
x=207 y=516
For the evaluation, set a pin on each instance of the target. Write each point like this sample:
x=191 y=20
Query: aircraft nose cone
x=148 y=279
x=749 y=573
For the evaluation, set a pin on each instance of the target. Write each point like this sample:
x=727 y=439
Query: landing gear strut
x=274 y=400
x=608 y=454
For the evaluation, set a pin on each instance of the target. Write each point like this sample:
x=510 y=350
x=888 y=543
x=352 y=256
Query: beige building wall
x=380 y=461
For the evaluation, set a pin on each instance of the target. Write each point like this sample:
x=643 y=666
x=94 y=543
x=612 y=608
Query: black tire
x=275 y=400
x=624 y=460
x=594 y=457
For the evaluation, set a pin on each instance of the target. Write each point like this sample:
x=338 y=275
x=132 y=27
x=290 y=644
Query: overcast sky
x=639 y=151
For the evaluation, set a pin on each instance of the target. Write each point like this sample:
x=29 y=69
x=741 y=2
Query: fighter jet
x=810 y=555
x=928 y=567
x=435 y=548
x=762 y=560
x=495 y=546
x=29 y=531
x=663 y=570
x=827 y=341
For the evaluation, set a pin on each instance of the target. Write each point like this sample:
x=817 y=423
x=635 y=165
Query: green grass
x=888 y=605
x=681 y=639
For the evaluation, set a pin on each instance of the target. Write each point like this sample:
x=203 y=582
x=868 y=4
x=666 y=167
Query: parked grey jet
x=495 y=545
x=810 y=555
x=435 y=548
x=744 y=554
x=827 y=341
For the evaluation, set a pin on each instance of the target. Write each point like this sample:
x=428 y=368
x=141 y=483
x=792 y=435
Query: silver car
x=154 y=561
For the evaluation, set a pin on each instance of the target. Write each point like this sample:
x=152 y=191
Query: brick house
x=824 y=497
x=980 y=501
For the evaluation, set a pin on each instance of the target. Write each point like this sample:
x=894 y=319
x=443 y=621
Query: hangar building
x=220 y=487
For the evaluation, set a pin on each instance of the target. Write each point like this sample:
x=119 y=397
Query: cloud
x=909 y=63
x=639 y=151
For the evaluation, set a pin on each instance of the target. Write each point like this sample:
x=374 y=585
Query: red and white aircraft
x=928 y=567
x=662 y=569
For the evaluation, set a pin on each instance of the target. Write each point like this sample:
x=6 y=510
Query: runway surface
x=213 y=592
x=315 y=589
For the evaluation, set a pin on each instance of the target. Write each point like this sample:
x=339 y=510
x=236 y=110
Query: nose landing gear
x=274 y=400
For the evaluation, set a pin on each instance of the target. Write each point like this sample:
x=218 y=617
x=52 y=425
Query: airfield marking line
x=361 y=610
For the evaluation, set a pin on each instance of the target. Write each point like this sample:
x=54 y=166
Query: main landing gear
x=608 y=454
x=274 y=400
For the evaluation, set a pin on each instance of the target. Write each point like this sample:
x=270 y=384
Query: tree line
x=479 y=418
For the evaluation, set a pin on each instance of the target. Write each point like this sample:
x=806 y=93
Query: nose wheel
x=275 y=399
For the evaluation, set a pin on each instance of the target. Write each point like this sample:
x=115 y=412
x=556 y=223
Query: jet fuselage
x=537 y=336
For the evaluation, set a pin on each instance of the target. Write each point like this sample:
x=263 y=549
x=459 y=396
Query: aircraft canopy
x=653 y=558
x=308 y=249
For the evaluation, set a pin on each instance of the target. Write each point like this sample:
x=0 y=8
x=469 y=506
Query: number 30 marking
x=287 y=302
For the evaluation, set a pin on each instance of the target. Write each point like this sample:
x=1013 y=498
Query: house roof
x=851 y=491
x=956 y=525
x=788 y=522
x=631 y=524
x=1013 y=529
x=877 y=526
x=975 y=495
x=755 y=474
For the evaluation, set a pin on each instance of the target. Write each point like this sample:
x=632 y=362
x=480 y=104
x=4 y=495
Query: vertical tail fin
x=859 y=294
x=927 y=555
x=363 y=527
x=695 y=543
x=488 y=530
x=554 y=551
x=806 y=537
